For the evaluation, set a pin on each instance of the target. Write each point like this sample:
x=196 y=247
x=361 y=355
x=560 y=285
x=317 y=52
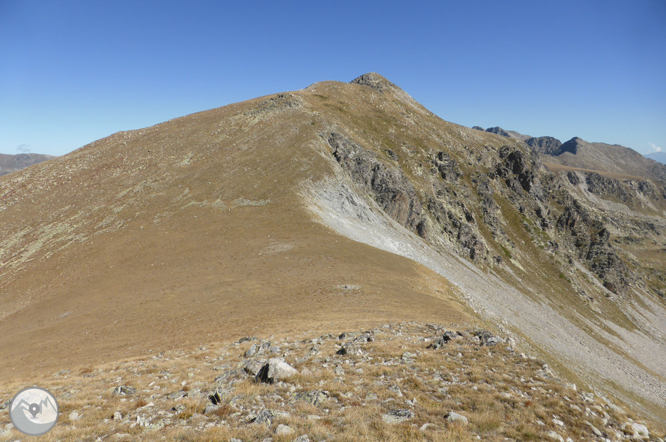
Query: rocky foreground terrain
x=405 y=381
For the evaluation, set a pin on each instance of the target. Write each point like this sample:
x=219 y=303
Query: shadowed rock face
x=544 y=145
x=388 y=185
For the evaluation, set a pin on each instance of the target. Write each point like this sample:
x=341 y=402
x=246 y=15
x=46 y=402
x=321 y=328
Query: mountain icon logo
x=34 y=411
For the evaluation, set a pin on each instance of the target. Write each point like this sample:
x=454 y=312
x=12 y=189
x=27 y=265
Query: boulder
x=123 y=390
x=275 y=370
x=554 y=436
x=283 y=430
x=452 y=416
x=397 y=416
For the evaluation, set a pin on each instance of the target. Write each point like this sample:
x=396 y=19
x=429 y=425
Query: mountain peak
x=375 y=81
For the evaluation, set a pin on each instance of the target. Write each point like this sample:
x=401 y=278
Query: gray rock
x=264 y=417
x=275 y=370
x=363 y=338
x=452 y=416
x=397 y=416
x=314 y=397
x=487 y=338
x=117 y=416
x=252 y=351
x=339 y=371
x=283 y=430
x=231 y=377
x=74 y=416
x=233 y=439
x=554 y=436
x=177 y=395
x=303 y=438
x=395 y=390
x=246 y=339
x=639 y=431
x=253 y=366
x=349 y=348
x=123 y=390
x=406 y=356
x=210 y=408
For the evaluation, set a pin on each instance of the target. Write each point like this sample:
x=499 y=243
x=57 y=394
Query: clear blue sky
x=75 y=71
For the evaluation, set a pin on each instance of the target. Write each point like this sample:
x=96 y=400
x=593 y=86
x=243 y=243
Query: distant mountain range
x=578 y=153
x=657 y=156
x=12 y=163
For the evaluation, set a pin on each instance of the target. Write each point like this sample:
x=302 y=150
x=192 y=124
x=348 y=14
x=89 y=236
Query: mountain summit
x=342 y=205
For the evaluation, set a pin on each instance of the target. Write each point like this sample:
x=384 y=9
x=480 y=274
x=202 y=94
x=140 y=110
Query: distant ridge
x=659 y=157
x=602 y=157
x=13 y=163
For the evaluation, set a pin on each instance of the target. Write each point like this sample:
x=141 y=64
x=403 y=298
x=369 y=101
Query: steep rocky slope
x=338 y=205
x=12 y=163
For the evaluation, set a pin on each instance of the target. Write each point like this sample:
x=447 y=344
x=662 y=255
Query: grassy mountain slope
x=340 y=205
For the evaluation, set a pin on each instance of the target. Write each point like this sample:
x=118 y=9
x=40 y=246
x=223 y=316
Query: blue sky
x=72 y=72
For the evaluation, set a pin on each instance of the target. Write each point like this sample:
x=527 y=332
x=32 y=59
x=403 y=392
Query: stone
x=406 y=356
x=246 y=339
x=177 y=395
x=558 y=422
x=487 y=338
x=452 y=416
x=339 y=371
x=117 y=416
x=554 y=436
x=283 y=430
x=253 y=366
x=349 y=348
x=74 y=416
x=264 y=417
x=594 y=429
x=123 y=390
x=252 y=351
x=425 y=427
x=639 y=431
x=276 y=369
x=303 y=438
x=210 y=408
x=314 y=397
x=397 y=416
x=395 y=390
x=233 y=439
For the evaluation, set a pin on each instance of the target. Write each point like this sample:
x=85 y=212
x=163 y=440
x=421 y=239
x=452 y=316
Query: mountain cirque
x=339 y=206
